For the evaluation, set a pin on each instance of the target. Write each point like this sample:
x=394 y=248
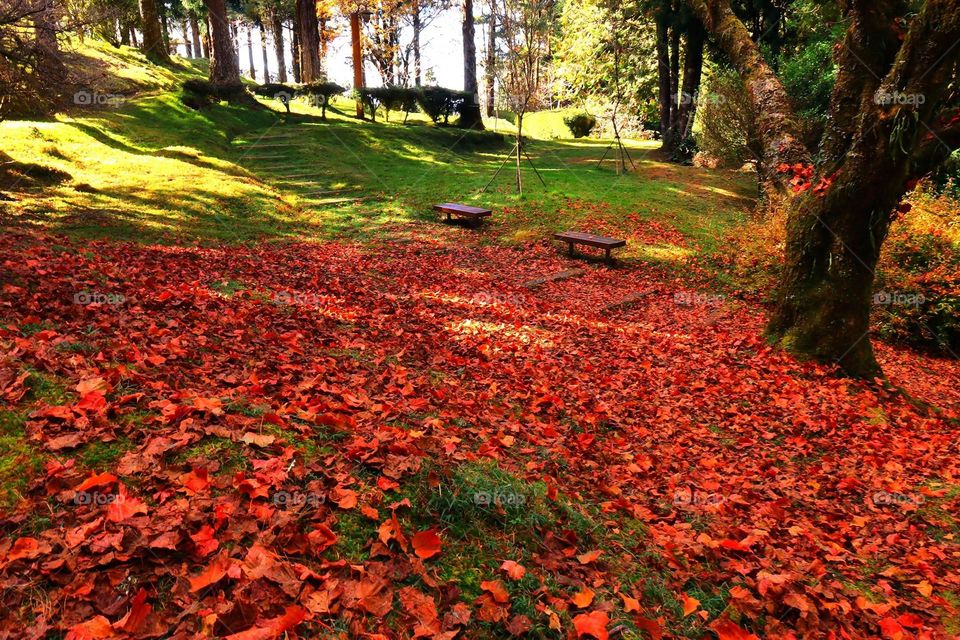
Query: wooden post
x=357 y=59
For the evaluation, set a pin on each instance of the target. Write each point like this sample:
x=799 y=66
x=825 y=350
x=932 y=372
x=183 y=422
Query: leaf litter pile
x=404 y=441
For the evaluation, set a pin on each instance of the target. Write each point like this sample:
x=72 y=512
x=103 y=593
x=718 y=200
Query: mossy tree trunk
x=841 y=206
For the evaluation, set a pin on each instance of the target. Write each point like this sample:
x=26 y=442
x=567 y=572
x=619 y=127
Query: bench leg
x=609 y=259
x=570 y=252
x=448 y=216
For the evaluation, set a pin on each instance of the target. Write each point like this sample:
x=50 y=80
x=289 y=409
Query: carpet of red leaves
x=825 y=507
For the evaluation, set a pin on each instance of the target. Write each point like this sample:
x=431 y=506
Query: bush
x=580 y=124
x=198 y=94
x=917 y=291
x=808 y=77
x=438 y=102
x=283 y=93
x=392 y=98
x=320 y=93
x=728 y=127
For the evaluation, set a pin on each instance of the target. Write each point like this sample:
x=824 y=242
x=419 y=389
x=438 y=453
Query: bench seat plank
x=590 y=239
x=462 y=210
x=578 y=237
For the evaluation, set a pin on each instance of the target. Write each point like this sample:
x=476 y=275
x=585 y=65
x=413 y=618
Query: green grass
x=154 y=170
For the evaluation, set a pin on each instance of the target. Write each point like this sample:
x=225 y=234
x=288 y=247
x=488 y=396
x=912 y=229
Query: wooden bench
x=577 y=237
x=463 y=210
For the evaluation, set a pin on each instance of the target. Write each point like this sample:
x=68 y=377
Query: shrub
x=438 y=102
x=728 y=126
x=283 y=93
x=809 y=76
x=580 y=124
x=320 y=92
x=199 y=94
x=392 y=98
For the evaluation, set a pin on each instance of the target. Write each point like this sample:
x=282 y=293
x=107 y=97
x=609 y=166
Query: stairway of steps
x=270 y=157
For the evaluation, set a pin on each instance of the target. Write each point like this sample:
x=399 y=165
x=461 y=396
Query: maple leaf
x=426 y=544
x=124 y=506
x=582 y=598
x=205 y=541
x=496 y=589
x=593 y=624
x=139 y=613
x=274 y=627
x=630 y=605
x=690 y=604
x=95 y=480
x=96 y=628
x=213 y=573
x=589 y=557
x=513 y=570
x=195 y=481
x=726 y=629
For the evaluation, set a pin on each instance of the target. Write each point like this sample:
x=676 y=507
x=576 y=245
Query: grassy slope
x=154 y=169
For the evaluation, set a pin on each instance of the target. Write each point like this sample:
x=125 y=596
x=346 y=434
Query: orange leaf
x=689 y=604
x=514 y=570
x=426 y=544
x=630 y=605
x=123 y=506
x=593 y=624
x=583 y=598
x=497 y=589
x=96 y=481
x=590 y=556
x=212 y=574
x=726 y=629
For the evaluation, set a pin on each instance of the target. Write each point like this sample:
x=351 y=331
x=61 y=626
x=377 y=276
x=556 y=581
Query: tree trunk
x=153 y=45
x=663 y=75
x=417 y=68
x=276 y=27
x=309 y=40
x=164 y=27
x=187 y=46
x=134 y=41
x=263 y=52
x=519 y=151
x=323 y=48
x=490 y=71
x=198 y=50
x=470 y=116
x=49 y=63
x=357 y=59
x=124 y=33
x=253 y=70
x=692 y=73
x=224 y=70
x=295 y=46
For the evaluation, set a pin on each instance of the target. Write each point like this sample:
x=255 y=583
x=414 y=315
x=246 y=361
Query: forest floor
x=252 y=386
